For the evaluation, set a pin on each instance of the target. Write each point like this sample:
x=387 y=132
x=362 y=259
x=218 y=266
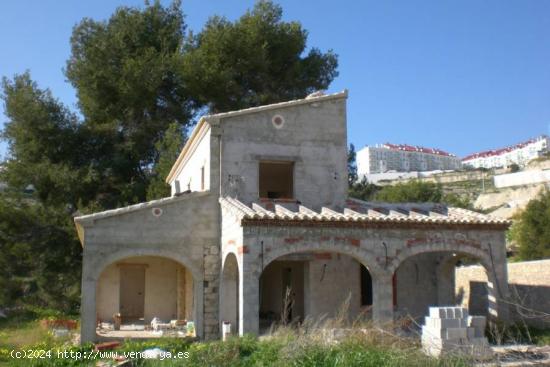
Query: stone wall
x=529 y=286
x=417 y=285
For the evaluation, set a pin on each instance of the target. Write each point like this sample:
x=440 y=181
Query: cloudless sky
x=459 y=75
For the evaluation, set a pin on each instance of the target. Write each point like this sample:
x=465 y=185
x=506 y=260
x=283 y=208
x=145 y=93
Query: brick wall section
x=211 y=291
x=529 y=285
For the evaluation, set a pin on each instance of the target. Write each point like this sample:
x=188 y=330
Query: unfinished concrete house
x=259 y=213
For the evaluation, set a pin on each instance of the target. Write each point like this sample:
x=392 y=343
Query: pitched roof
x=358 y=213
x=312 y=98
x=136 y=207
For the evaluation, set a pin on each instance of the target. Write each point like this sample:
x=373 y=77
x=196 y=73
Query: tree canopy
x=141 y=79
x=531 y=230
x=256 y=60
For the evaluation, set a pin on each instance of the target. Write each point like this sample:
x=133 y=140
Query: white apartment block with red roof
x=519 y=154
x=404 y=158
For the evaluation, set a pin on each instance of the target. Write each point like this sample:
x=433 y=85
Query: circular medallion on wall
x=157 y=212
x=278 y=121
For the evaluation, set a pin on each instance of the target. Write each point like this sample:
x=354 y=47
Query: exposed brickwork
x=243 y=250
x=323 y=256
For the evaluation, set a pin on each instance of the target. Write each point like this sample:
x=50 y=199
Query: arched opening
x=134 y=291
x=428 y=279
x=229 y=293
x=314 y=285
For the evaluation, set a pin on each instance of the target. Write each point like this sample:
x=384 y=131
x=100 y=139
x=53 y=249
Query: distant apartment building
x=519 y=154
x=404 y=158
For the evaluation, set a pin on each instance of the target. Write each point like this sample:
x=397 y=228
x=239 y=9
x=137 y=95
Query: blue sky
x=461 y=76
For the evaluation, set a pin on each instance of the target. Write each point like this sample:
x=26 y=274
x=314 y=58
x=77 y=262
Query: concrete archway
x=424 y=276
x=349 y=250
x=99 y=263
x=363 y=256
x=94 y=266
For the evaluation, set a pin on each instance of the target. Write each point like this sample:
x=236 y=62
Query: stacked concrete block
x=452 y=330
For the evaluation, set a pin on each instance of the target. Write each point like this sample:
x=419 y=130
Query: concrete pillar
x=499 y=297
x=249 y=302
x=88 y=310
x=382 y=307
x=499 y=292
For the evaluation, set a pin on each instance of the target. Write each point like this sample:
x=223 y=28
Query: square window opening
x=276 y=180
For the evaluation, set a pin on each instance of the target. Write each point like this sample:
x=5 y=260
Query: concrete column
x=249 y=302
x=382 y=308
x=88 y=310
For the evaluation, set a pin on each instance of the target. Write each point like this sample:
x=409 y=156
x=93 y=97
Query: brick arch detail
x=365 y=257
x=480 y=254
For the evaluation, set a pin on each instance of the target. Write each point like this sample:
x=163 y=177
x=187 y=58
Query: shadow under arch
x=482 y=255
x=98 y=265
x=290 y=266
x=444 y=272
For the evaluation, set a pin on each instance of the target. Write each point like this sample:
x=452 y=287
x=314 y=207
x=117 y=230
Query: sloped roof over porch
x=359 y=213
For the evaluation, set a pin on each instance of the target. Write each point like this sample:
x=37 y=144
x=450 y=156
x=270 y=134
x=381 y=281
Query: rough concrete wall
x=329 y=286
x=231 y=234
x=529 y=286
x=108 y=293
x=313 y=136
x=190 y=175
x=416 y=286
x=186 y=224
x=160 y=289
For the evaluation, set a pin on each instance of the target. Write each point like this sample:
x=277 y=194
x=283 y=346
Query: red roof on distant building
x=416 y=148
x=497 y=152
